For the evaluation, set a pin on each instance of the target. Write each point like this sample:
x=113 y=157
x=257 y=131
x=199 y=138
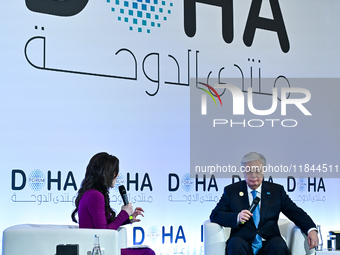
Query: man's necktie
x=257 y=243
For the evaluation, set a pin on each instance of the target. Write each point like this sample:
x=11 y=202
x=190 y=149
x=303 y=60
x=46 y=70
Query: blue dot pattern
x=153 y=234
x=187 y=183
x=120 y=181
x=142 y=15
x=36 y=180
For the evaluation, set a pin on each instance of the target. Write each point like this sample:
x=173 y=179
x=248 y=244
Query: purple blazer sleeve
x=92 y=212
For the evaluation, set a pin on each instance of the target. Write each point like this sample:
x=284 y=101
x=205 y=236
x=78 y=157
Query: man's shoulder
x=272 y=185
x=242 y=184
x=236 y=185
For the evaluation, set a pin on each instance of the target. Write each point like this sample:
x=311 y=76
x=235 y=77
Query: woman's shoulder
x=93 y=193
x=91 y=199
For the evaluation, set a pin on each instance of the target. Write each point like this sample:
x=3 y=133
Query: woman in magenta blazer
x=93 y=202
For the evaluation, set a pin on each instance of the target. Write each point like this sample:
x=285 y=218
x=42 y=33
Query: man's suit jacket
x=273 y=201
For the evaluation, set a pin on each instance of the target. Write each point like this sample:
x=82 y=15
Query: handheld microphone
x=253 y=205
x=123 y=194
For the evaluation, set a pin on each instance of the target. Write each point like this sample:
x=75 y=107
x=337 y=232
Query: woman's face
x=114 y=182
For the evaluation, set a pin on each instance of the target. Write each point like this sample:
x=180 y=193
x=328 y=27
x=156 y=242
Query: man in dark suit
x=231 y=211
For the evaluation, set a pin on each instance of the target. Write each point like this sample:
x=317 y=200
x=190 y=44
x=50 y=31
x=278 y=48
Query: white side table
x=326 y=252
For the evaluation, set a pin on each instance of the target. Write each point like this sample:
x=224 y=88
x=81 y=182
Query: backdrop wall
x=120 y=76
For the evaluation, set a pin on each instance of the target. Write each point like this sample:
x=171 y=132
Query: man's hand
x=244 y=216
x=313 y=239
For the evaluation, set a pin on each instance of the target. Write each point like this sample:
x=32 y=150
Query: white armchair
x=215 y=238
x=32 y=239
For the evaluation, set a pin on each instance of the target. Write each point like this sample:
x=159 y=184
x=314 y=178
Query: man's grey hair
x=253 y=156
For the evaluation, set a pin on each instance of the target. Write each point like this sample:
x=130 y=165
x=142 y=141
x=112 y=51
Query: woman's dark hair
x=100 y=172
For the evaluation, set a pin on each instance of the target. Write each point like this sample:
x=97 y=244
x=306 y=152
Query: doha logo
x=119 y=181
x=145 y=15
x=187 y=183
x=36 y=180
x=153 y=234
x=63 y=8
x=139 y=15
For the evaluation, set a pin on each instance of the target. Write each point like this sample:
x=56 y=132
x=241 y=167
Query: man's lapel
x=244 y=198
x=243 y=193
x=265 y=200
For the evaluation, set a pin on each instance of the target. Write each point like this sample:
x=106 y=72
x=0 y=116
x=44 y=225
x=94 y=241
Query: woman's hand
x=128 y=208
x=138 y=211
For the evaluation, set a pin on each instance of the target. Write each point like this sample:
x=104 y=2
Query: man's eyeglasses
x=251 y=172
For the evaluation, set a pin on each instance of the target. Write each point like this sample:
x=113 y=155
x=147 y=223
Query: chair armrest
x=300 y=243
x=122 y=233
x=286 y=229
x=31 y=239
x=295 y=239
x=215 y=237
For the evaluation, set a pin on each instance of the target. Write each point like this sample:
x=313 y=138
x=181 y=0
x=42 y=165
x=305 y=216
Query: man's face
x=253 y=173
